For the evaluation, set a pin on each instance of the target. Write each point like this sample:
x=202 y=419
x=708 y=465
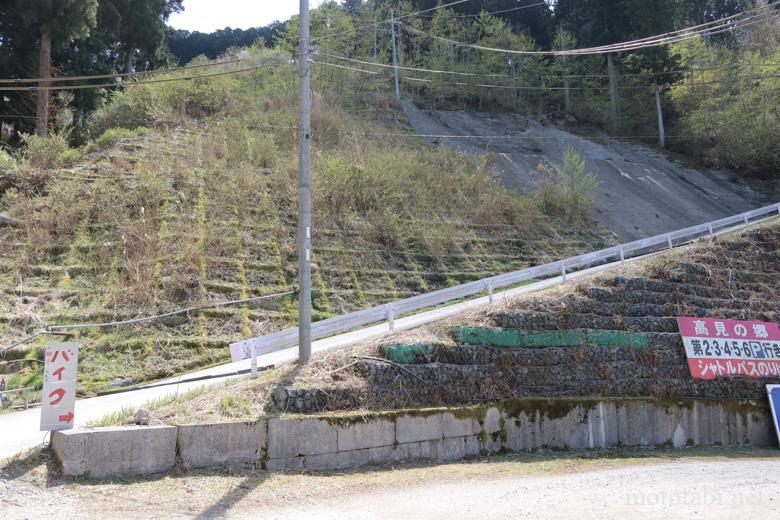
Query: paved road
x=19 y=431
x=684 y=489
x=641 y=193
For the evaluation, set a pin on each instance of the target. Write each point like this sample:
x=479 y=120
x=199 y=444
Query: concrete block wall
x=350 y=441
x=107 y=452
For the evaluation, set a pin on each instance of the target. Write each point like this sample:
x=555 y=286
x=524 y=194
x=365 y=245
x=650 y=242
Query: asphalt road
x=641 y=191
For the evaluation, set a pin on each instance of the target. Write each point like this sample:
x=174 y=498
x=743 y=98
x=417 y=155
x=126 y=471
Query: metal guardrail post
x=563 y=271
x=746 y=220
x=669 y=240
x=253 y=350
x=622 y=255
x=712 y=231
x=390 y=318
x=490 y=292
x=778 y=209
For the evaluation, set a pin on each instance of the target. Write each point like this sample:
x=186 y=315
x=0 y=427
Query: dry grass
x=201 y=208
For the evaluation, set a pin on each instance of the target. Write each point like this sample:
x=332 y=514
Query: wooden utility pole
x=395 y=57
x=613 y=94
x=44 y=72
x=304 y=192
x=566 y=84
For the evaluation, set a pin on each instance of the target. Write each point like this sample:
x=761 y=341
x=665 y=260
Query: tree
x=185 y=45
x=54 y=22
x=139 y=26
x=17 y=51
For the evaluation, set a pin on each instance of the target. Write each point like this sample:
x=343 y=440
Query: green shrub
x=129 y=109
x=566 y=188
x=110 y=137
x=48 y=152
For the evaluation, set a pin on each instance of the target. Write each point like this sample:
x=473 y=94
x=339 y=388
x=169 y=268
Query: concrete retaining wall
x=349 y=441
x=106 y=452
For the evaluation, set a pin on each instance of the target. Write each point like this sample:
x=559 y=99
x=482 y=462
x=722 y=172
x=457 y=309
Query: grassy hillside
x=611 y=335
x=187 y=195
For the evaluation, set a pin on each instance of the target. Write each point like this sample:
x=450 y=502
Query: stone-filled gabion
x=734 y=278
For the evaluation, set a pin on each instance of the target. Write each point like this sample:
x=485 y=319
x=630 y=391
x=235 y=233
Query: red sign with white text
x=728 y=348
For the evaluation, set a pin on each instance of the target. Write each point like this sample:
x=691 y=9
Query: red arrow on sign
x=66 y=418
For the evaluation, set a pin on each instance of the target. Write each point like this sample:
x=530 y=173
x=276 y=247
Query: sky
x=210 y=15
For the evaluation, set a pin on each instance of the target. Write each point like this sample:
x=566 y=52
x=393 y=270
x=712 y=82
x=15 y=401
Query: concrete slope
x=642 y=192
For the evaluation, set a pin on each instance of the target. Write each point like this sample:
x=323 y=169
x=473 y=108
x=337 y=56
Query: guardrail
x=289 y=338
x=22 y=391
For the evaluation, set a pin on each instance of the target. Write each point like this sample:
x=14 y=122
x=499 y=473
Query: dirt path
x=642 y=193
x=712 y=483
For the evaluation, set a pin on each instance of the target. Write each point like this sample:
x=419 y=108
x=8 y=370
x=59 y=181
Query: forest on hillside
x=719 y=92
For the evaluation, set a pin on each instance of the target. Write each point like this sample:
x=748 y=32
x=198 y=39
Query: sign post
x=774 y=405
x=58 y=398
x=727 y=348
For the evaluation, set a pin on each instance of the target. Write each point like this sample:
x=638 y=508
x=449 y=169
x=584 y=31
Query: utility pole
x=304 y=192
x=373 y=52
x=44 y=71
x=395 y=57
x=613 y=94
x=566 y=91
x=661 y=132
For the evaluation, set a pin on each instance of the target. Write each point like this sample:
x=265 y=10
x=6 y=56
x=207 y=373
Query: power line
x=118 y=75
x=132 y=83
x=701 y=27
x=624 y=87
x=502 y=11
x=553 y=88
x=345 y=67
x=430 y=10
x=659 y=40
x=507 y=137
x=376 y=24
x=566 y=76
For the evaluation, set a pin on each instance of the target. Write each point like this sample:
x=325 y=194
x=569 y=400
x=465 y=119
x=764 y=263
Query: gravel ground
x=712 y=483
x=733 y=489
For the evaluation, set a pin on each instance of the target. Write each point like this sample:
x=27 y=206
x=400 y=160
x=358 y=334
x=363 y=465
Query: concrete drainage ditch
x=335 y=442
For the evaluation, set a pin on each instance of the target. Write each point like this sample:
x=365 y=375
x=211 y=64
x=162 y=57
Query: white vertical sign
x=58 y=398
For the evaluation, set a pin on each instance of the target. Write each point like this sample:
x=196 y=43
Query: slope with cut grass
x=187 y=195
x=611 y=335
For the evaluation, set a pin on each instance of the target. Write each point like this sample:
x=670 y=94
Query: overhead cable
x=131 y=83
x=618 y=47
x=502 y=11
x=118 y=75
x=376 y=24
x=563 y=76
x=553 y=88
